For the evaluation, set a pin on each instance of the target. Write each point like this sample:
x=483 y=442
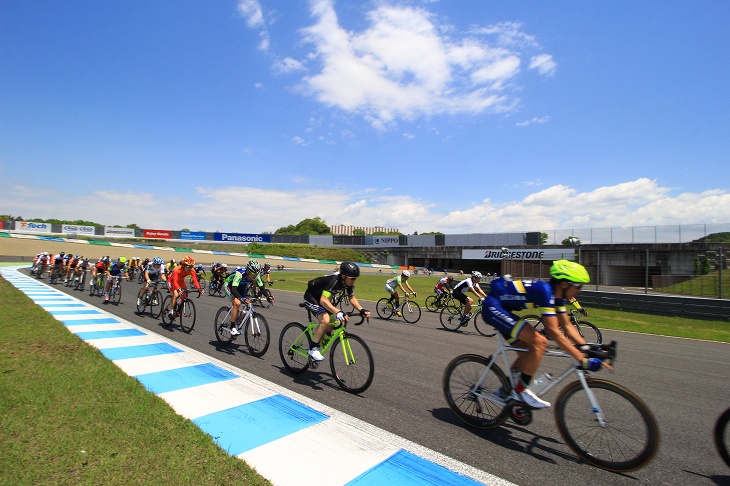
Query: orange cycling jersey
x=177 y=278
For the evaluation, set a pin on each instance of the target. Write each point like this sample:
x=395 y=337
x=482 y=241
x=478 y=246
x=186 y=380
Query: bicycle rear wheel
x=432 y=303
x=116 y=295
x=411 y=312
x=352 y=364
x=294 y=347
x=257 y=335
x=155 y=304
x=589 y=331
x=383 y=308
x=630 y=437
x=722 y=437
x=482 y=327
x=187 y=316
x=450 y=318
x=222 y=326
x=460 y=377
x=166 y=305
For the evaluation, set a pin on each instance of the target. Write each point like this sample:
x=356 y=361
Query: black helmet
x=349 y=269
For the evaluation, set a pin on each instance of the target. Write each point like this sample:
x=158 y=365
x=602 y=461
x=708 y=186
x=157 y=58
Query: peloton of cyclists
x=395 y=283
x=219 y=273
x=238 y=286
x=470 y=284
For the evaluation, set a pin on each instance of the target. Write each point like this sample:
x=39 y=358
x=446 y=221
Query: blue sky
x=467 y=116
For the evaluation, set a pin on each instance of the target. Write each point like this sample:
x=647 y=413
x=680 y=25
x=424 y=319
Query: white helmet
x=406 y=273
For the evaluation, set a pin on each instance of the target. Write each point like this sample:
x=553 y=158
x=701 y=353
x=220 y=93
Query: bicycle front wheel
x=222 y=326
x=202 y=283
x=469 y=403
x=432 y=303
x=383 y=308
x=411 y=312
x=589 y=331
x=627 y=440
x=155 y=304
x=257 y=335
x=722 y=437
x=450 y=318
x=166 y=305
x=187 y=316
x=482 y=327
x=352 y=364
x=116 y=296
x=294 y=347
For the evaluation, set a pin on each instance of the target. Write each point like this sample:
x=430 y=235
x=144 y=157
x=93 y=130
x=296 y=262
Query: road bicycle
x=257 y=296
x=722 y=437
x=201 y=281
x=350 y=358
x=150 y=297
x=435 y=303
x=341 y=300
x=410 y=311
x=115 y=290
x=78 y=281
x=55 y=274
x=97 y=285
x=184 y=310
x=216 y=287
x=607 y=425
x=452 y=319
x=588 y=330
x=249 y=323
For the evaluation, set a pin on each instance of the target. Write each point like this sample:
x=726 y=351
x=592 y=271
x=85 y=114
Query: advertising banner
x=33 y=227
x=386 y=240
x=192 y=235
x=79 y=230
x=241 y=238
x=148 y=233
x=120 y=232
x=521 y=254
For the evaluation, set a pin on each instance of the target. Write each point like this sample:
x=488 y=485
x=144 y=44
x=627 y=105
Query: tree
x=358 y=232
x=309 y=226
x=543 y=238
x=571 y=241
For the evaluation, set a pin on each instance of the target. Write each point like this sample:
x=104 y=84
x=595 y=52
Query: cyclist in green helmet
x=507 y=295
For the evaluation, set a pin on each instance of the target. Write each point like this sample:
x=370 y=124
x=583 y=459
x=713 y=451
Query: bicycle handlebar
x=357 y=313
x=604 y=352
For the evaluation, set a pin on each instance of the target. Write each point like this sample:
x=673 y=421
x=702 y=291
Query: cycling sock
x=525 y=381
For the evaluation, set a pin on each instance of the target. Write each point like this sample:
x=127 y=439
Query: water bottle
x=541 y=383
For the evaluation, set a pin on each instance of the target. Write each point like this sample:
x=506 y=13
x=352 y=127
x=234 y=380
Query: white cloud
x=544 y=64
x=641 y=202
x=252 y=12
x=533 y=120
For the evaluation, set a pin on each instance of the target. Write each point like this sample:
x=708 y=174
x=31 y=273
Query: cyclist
x=507 y=295
x=219 y=273
x=471 y=284
x=238 y=286
x=118 y=268
x=392 y=285
x=153 y=272
x=171 y=266
x=266 y=271
x=58 y=262
x=200 y=269
x=81 y=267
x=101 y=267
x=71 y=266
x=317 y=299
x=176 y=282
x=443 y=288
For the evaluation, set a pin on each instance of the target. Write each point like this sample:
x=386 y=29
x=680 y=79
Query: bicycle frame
x=338 y=333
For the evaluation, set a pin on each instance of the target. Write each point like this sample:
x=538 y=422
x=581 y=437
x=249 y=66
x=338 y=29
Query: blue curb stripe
x=141 y=351
x=215 y=252
x=86 y=322
x=240 y=429
x=74 y=312
x=57 y=304
x=405 y=468
x=145 y=247
x=187 y=377
x=88 y=335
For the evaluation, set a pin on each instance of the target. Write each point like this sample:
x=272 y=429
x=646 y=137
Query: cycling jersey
x=394 y=282
x=442 y=285
x=238 y=285
x=326 y=286
x=117 y=269
x=465 y=285
x=154 y=273
x=177 y=278
x=101 y=267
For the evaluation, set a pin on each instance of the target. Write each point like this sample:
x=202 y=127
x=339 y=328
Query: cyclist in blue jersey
x=238 y=285
x=507 y=295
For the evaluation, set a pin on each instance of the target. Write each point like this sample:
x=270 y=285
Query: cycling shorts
x=316 y=309
x=461 y=297
x=390 y=290
x=506 y=323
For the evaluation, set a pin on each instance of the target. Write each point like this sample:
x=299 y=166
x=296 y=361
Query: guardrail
x=668 y=305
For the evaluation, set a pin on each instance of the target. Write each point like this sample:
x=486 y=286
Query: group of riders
x=504 y=297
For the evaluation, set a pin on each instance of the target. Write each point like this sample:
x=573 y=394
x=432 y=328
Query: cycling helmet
x=122 y=260
x=253 y=266
x=105 y=259
x=267 y=265
x=76 y=257
x=218 y=264
x=449 y=278
x=406 y=273
x=223 y=265
x=567 y=270
x=349 y=269
x=158 y=261
x=476 y=274
x=188 y=261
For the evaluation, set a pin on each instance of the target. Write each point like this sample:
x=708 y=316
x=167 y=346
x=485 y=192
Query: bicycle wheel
x=294 y=347
x=155 y=303
x=187 y=316
x=460 y=376
x=166 y=305
x=450 y=318
x=143 y=298
x=432 y=303
x=536 y=322
x=383 y=308
x=589 y=331
x=352 y=363
x=222 y=326
x=482 y=327
x=202 y=283
x=628 y=440
x=116 y=294
x=257 y=335
x=722 y=437
x=212 y=288
x=411 y=312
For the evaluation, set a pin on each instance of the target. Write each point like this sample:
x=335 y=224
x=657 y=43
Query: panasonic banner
x=538 y=254
x=241 y=238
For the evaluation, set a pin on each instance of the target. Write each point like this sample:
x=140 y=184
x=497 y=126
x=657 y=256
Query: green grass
x=70 y=416
x=370 y=287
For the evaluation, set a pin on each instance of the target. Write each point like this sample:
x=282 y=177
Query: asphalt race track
x=684 y=382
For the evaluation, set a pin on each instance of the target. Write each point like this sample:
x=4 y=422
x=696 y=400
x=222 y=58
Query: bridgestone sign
x=523 y=254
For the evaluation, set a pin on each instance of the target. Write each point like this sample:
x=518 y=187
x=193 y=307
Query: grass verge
x=70 y=416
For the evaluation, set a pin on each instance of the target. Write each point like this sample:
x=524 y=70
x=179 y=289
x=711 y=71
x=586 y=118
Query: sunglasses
x=576 y=285
x=186 y=265
x=351 y=278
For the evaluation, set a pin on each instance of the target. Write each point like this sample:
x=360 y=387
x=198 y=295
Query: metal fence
x=681 y=233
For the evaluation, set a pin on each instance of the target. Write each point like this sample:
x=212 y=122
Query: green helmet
x=567 y=270
x=253 y=266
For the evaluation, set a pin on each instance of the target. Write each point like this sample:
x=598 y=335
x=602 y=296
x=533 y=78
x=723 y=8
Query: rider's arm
x=324 y=301
x=553 y=322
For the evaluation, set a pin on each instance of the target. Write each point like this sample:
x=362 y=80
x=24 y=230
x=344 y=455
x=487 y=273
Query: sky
x=469 y=116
